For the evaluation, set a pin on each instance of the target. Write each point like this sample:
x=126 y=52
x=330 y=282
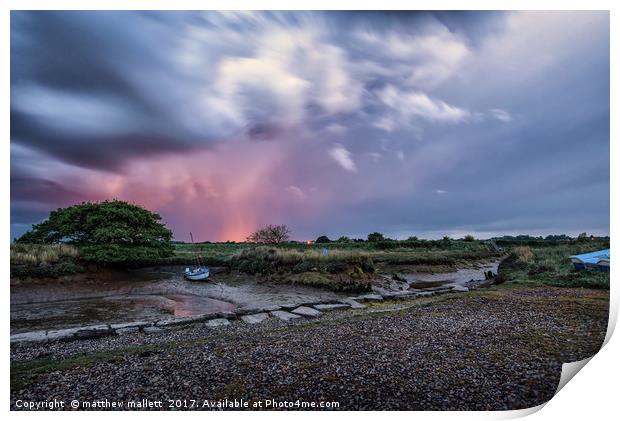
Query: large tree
x=323 y=239
x=271 y=234
x=106 y=232
x=375 y=236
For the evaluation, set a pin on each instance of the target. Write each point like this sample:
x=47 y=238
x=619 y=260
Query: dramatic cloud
x=431 y=56
x=342 y=157
x=335 y=123
x=416 y=104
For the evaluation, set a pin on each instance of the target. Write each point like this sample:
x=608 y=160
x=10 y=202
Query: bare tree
x=271 y=234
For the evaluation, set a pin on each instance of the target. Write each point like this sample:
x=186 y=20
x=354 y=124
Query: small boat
x=598 y=260
x=200 y=272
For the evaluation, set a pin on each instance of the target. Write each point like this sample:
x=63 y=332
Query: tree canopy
x=323 y=239
x=375 y=236
x=106 y=232
x=271 y=234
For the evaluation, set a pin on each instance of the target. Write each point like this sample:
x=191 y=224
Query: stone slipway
x=222 y=319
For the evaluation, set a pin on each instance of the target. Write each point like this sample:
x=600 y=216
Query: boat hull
x=598 y=260
x=197 y=276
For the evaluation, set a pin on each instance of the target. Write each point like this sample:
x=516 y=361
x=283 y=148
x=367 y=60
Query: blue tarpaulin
x=595 y=260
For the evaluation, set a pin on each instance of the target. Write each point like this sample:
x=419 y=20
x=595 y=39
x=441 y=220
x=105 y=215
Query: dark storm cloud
x=91 y=150
x=81 y=59
x=46 y=191
x=407 y=123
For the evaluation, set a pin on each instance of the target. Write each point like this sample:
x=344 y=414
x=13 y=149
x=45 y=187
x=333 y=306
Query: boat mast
x=198 y=262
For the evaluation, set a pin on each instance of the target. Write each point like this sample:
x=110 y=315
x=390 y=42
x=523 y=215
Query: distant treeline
x=377 y=241
x=549 y=240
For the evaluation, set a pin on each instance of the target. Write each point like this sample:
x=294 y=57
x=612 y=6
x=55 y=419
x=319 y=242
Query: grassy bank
x=341 y=266
x=550 y=265
x=336 y=266
x=44 y=260
x=451 y=253
x=347 y=266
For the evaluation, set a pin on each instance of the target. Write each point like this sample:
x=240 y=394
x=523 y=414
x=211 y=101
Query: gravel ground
x=483 y=350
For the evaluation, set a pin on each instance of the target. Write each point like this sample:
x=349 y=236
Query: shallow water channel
x=156 y=293
x=145 y=294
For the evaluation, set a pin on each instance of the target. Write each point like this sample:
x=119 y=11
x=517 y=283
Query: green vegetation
x=271 y=260
x=109 y=233
x=375 y=236
x=44 y=260
x=550 y=265
x=36 y=254
x=347 y=266
x=121 y=234
x=386 y=253
x=323 y=239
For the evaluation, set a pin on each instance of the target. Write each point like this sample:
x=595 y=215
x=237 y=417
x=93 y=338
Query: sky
x=335 y=123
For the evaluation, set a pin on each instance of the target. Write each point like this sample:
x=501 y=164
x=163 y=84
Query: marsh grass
x=270 y=260
x=44 y=260
x=37 y=254
x=522 y=254
x=552 y=266
x=292 y=256
x=227 y=254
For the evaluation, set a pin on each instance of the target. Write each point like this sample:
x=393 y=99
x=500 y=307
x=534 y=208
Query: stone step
x=255 y=318
x=29 y=337
x=61 y=334
x=127 y=330
x=138 y=324
x=353 y=304
x=400 y=295
x=91 y=332
x=284 y=315
x=367 y=297
x=152 y=329
x=217 y=322
x=293 y=306
x=253 y=310
x=329 y=307
x=307 y=311
x=227 y=315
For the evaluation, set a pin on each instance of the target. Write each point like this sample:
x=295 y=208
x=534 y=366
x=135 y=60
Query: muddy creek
x=155 y=293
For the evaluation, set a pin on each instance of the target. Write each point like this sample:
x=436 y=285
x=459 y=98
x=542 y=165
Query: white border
x=593 y=393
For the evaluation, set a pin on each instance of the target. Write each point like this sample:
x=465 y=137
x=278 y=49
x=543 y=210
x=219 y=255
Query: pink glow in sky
x=334 y=123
